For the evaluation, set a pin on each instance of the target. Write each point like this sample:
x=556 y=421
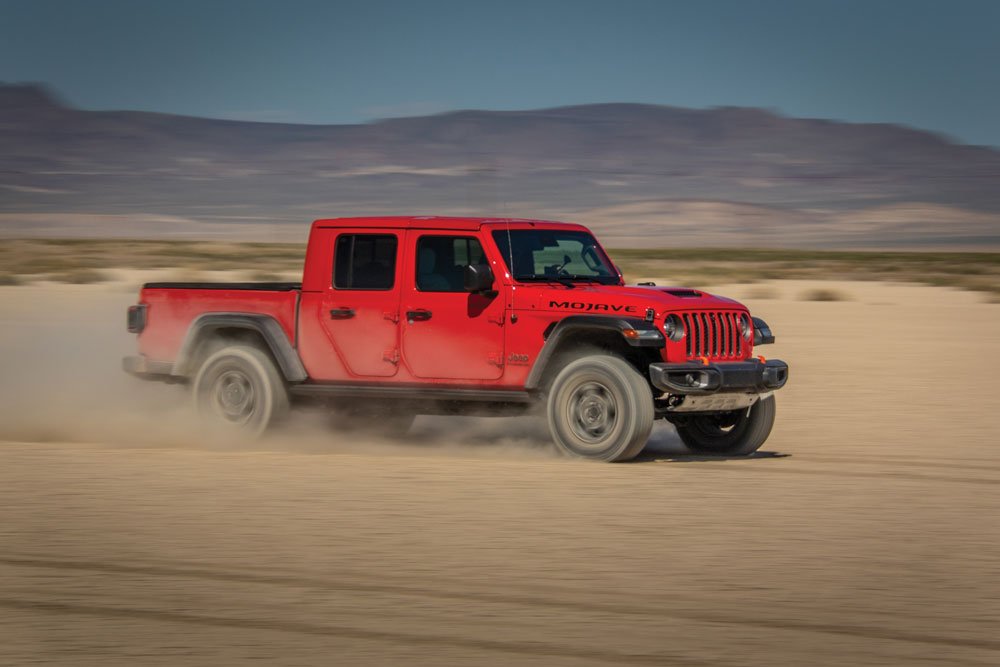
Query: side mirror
x=478 y=278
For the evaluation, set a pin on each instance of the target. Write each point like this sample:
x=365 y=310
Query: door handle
x=418 y=315
x=341 y=313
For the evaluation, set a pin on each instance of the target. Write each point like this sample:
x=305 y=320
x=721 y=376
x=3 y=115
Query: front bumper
x=695 y=379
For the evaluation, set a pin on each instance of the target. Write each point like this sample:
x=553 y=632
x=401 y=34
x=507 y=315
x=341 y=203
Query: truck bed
x=172 y=307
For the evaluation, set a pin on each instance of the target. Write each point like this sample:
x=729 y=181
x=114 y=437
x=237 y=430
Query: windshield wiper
x=567 y=279
x=589 y=279
x=535 y=278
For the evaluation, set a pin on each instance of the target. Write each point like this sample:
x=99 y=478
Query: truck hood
x=628 y=301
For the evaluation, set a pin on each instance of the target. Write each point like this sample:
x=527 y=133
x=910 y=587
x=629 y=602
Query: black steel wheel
x=599 y=407
x=238 y=390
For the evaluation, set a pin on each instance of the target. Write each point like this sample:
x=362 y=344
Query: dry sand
x=866 y=533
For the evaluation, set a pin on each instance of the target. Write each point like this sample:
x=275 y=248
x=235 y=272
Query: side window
x=441 y=262
x=365 y=262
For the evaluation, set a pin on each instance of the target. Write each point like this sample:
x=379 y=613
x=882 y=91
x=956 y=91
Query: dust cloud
x=62 y=382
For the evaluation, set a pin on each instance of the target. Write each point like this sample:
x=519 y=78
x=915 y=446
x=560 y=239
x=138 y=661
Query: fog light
x=698 y=380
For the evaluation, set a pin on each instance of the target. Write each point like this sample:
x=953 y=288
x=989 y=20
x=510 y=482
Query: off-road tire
x=736 y=433
x=238 y=390
x=599 y=407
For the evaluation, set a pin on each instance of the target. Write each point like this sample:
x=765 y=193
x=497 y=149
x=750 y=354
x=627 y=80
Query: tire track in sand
x=202 y=620
x=703 y=465
x=859 y=631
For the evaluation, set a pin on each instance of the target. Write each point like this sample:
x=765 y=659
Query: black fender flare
x=266 y=326
x=647 y=335
x=762 y=334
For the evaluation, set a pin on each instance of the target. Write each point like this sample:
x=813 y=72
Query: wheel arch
x=573 y=336
x=263 y=330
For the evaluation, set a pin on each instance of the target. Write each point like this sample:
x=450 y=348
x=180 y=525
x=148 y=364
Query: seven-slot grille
x=715 y=335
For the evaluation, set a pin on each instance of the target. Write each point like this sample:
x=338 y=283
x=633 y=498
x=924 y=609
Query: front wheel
x=601 y=408
x=735 y=433
x=239 y=391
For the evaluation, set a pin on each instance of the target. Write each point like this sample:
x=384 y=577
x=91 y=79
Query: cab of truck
x=388 y=298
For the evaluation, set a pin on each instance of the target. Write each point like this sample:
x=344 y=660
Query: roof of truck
x=437 y=222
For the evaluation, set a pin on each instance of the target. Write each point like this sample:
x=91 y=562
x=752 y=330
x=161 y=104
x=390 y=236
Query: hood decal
x=585 y=307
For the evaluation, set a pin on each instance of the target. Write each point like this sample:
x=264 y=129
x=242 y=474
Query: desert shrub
x=80 y=277
x=823 y=294
x=9 y=279
x=761 y=292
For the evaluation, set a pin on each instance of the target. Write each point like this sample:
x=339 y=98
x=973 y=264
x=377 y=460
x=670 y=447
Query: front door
x=448 y=333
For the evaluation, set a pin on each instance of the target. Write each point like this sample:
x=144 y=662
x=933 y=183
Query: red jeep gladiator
x=399 y=316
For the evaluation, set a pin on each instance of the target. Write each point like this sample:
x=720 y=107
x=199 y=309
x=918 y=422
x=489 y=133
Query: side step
x=411 y=392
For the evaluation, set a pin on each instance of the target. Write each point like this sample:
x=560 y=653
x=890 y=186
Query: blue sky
x=933 y=65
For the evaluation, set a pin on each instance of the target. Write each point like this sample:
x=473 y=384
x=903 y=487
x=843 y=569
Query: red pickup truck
x=399 y=316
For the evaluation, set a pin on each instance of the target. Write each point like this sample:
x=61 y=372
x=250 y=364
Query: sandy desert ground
x=867 y=532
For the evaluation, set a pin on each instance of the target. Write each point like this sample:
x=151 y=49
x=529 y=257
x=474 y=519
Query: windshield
x=551 y=254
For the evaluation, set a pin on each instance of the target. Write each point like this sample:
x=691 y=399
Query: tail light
x=136 y=320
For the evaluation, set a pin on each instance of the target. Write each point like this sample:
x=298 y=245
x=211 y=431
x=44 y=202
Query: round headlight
x=673 y=328
x=745 y=327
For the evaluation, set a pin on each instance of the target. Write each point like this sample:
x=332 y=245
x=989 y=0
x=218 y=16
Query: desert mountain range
x=641 y=175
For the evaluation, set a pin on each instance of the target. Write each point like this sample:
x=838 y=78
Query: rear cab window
x=365 y=262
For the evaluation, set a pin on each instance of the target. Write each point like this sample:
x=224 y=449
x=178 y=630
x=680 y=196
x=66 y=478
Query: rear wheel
x=599 y=407
x=735 y=433
x=238 y=390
